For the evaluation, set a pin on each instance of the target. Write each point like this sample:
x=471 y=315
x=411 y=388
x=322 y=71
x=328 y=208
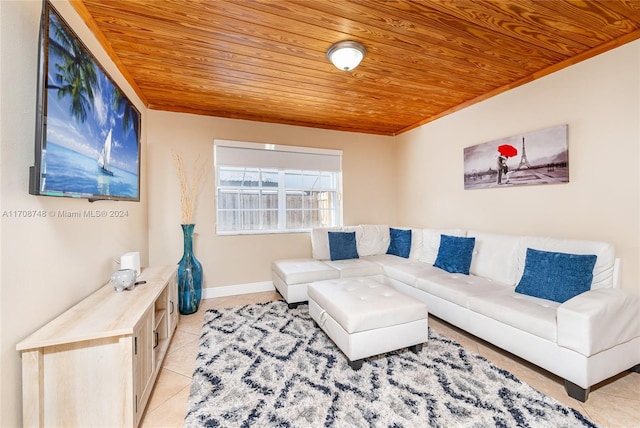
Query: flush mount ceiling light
x=346 y=55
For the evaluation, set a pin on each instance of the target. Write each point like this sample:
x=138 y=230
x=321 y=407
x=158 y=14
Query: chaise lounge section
x=584 y=335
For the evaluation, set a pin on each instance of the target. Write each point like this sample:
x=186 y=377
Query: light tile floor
x=612 y=403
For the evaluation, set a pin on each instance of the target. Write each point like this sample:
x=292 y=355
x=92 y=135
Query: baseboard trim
x=234 y=290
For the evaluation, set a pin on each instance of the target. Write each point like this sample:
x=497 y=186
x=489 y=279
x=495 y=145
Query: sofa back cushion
x=602 y=271
x=373 y=239
x=370 y=240
x=495 y=257
x=416 y=244
x=431 y=242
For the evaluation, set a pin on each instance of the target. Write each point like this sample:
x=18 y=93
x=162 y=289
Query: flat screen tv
x=87 y=130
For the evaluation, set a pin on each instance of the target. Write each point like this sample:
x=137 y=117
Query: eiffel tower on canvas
x=524 y=162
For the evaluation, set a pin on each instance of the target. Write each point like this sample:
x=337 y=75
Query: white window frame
x=281 y=158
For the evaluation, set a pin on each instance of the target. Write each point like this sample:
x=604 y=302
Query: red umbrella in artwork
x=507 y=150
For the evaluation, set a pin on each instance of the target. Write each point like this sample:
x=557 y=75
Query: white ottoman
x=364 y=317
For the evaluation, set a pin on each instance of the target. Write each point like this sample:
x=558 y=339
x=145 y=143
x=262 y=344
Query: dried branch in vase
x=188 y=185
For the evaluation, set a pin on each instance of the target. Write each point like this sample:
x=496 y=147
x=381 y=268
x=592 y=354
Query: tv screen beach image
x=92 y=130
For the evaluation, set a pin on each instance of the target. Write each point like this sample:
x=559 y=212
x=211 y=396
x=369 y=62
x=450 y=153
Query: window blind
x=257 y=155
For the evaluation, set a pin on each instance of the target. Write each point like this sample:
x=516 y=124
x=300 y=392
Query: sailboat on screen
x=104 y=160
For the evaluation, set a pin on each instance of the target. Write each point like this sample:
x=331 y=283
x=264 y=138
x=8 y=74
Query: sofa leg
x=295 y=305
x=356 y=365
x=635 y=369
x=576 y=392
x=416 y=348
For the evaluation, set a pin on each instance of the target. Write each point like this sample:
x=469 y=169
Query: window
x=264 y=188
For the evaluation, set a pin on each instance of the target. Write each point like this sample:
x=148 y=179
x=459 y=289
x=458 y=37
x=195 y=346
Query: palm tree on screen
x=75 y=74
x=130 y=117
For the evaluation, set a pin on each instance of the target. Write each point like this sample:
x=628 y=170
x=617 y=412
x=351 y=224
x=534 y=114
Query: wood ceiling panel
x=193 y=89
x=423 y=32
x=265 y=60
x=282 y=55
x=275 y=111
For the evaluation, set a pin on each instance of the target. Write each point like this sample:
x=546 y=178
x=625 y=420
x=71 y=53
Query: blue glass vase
x=189 y=275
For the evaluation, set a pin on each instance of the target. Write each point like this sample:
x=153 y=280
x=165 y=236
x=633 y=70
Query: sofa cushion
x=386 y=259
x=495 y=257
x=342 y=246
x=530 y=314
x=603 y=269
x=302 y=271
x=372 y=239
x=355 y=267
x=556 y=276
x=455 y=287
x=431 y=242
x=408 y=272
x=400 y=244
x=455 y=254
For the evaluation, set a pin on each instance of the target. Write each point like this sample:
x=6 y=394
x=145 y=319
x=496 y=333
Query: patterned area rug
x=265 y=365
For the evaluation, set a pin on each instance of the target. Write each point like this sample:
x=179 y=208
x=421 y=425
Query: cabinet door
x=143 y=342
x=174 y=314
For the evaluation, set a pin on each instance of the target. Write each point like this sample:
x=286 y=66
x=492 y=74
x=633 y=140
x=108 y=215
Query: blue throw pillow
x=556 y=276
x=342 y=245
x=400 y=244
x=454 y=254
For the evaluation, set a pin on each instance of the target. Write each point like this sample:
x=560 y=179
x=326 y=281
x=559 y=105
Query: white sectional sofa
x=586 y=339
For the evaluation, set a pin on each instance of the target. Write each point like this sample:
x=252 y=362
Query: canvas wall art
x=539 y=157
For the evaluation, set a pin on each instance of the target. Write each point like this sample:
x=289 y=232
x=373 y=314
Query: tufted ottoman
x=364 y=317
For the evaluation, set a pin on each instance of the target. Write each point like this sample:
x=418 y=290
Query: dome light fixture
x=346 y=55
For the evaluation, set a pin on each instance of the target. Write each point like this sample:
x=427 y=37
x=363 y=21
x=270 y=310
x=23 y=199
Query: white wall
x=600 y=101
x=368 y=185
x=47 y=264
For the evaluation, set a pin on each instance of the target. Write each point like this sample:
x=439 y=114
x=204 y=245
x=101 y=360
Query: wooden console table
x=96 y=363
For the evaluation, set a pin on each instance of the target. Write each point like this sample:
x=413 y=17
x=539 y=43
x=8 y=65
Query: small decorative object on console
x=131 y=261
x=123 y=279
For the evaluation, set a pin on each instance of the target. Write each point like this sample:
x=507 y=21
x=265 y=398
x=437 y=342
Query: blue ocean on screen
x=68 y=171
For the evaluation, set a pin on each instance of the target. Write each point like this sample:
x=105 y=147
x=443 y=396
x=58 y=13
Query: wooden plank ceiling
x=265 y=60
